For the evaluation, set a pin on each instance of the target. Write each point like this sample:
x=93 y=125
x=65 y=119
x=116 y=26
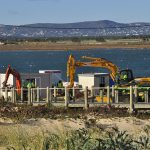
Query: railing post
x=21 y=96
x=101 y=95
x=55 y=93
x=38 y=94
x=146 y=96
x=86 y=97
x=66 y=97
x=116 y=96
x=73 y=93
x=113 y=93
x=47 y=95
x=13 y=95
x=136 y=93
x=108 y=95
x=29 y=96
x=33 y=94
x=6 y=94
x=131 y=100
x=50 y=96
x=92 y=91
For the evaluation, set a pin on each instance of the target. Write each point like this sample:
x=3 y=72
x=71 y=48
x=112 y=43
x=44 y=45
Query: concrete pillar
x=108 y=95
x=29 y=96
x=113 y=94
x=66 y=97
x=86 y=97
x=131 y=100
x=38 y=94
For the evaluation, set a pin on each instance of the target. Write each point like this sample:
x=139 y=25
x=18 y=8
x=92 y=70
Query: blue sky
x=19 y=12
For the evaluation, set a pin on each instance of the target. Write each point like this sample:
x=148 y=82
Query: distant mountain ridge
x=87 y=28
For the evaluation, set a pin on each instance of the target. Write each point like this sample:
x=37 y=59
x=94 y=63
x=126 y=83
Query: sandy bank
x=73 y=46
x=132 y=125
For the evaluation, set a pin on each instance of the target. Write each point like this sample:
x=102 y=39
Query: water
x=32 y=61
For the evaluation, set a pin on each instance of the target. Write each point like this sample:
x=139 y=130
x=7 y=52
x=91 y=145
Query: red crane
x=16 y=75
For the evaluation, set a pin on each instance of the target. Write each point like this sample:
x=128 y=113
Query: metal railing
x=131 y=97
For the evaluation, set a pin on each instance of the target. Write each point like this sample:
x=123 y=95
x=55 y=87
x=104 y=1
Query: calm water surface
x=32 y=61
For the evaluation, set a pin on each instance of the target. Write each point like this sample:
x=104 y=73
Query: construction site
x=118 y=87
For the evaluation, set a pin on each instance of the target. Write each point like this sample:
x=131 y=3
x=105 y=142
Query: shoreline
x=77 y=46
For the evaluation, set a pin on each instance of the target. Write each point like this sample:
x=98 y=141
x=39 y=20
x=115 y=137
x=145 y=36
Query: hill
x=87 y=28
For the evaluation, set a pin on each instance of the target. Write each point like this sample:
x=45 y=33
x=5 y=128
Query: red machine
x=16 y=75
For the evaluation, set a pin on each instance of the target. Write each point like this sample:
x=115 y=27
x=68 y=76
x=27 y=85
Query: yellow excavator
x=121 y=78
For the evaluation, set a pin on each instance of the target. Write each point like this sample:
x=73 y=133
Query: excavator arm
x=71 y=70
x=16 y=75
x=95 y=62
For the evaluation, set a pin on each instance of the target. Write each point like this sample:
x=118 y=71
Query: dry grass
x=83 y=139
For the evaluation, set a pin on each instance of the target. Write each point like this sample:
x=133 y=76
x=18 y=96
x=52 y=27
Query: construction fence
x=132 y=97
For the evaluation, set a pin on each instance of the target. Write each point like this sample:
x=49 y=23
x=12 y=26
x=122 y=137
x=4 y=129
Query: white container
x=93 y=80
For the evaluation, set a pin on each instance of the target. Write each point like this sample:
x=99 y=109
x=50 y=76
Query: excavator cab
x=125 y=76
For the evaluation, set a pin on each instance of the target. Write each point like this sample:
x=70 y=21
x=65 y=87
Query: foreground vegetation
x=21 y=112
x=13 y=136
x=82 y=139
